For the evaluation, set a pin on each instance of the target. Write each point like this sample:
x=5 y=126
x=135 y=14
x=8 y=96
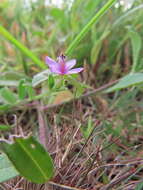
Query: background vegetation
x=96 y=141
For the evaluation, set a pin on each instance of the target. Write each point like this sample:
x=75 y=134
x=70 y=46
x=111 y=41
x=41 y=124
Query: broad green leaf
x=7 y=171
x=29 y=158
x=136 y=47
x=40 y=77
x=8 y=96
x=4 y=127
x=127 y=81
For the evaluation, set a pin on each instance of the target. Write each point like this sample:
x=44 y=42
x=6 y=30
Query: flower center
x=62 y=64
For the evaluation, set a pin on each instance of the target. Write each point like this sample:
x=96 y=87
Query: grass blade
x=20 y=46
x=136 y=42
x=96 y=18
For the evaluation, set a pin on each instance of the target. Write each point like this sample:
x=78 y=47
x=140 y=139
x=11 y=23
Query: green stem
x=95 y=19
x=20 y=46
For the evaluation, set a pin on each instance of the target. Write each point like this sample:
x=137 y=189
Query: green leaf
x=4 y=127
x=22 y=90
x=127 y=81
x=8 y=96
x=40 y=77
x=7 y=171
x=4 y=108
x=30 y=91
x=51 y=81
x=139 y=186
x=30 y=159
x=136 y=42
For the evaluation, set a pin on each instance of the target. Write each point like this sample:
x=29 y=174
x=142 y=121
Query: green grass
x=107 y=126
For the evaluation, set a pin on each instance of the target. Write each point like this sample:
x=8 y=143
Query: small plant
x=76 y=119
x=26 y=149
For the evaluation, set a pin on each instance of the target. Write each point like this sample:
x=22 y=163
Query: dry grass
x=101 y=161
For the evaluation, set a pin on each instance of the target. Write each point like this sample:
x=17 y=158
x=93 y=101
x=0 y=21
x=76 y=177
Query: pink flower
x=62 y=67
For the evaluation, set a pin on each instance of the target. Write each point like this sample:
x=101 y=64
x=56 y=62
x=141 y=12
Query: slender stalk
x=20 y=46
x=91 y=93
x=95 y=19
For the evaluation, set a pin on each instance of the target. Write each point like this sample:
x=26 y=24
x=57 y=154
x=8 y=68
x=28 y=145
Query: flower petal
x=53 y=65
x=72 y=71
x=49 y=61
x=70 y=64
